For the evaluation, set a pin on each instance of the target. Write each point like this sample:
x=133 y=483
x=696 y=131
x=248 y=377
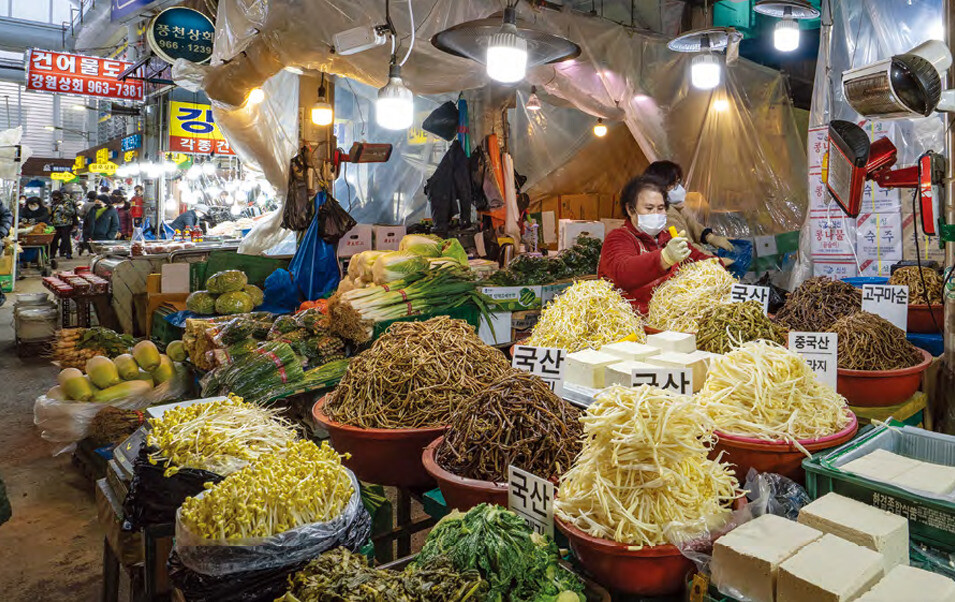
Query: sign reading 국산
x=181 y=33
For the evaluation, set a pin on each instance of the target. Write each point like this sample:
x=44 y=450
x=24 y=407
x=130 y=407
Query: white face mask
x=653 y=223
x=677 y=195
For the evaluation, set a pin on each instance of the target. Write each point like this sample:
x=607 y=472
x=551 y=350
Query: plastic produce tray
x=931 y=518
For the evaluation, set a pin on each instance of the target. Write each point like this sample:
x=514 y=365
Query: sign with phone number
x=76 y=74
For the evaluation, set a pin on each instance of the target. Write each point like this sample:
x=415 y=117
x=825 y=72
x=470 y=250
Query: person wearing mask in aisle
x=34 y=213
x=102 y=221
x=136 y=205
x=64 y=219
x=671 y=175
x=641 y=254
x=119 y=202
x=190 y=218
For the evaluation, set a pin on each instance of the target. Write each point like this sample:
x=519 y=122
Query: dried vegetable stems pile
x=918 y=293
x=681 y=301
x=643 y=477
x=818 y=303
x=589 y=314
x=870 y=342
x=218 y=436
x=300 y=485
x=415 y=375
x=727 y=326
x=765 y=391
x=516 y=421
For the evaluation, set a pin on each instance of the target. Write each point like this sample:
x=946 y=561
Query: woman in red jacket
x=641 y=255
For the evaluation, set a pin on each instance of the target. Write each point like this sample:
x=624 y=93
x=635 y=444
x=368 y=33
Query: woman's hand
x=721 y=242
x=676 y=251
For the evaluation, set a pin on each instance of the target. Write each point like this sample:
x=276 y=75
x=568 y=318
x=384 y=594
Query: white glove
x=721 y=242
x=676 y=251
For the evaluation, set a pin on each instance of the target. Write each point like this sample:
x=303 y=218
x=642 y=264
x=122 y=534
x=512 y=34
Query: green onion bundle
x=257 y=375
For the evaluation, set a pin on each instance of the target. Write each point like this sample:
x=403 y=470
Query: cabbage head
x=201 y=302
x=235 y=302
x=425 y=245
x=226 y=281
x=452 y=249
x=258 y=297
x=398 y=265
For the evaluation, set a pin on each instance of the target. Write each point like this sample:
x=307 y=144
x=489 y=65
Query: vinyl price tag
x=741 y=293
x=678 y=380
x=545 y=362
x=821 y=352
x=890 y=302
x=531 y=498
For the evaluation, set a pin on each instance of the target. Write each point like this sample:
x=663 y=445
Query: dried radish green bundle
x=870 y=342
x=726 y=327
x=818 y=303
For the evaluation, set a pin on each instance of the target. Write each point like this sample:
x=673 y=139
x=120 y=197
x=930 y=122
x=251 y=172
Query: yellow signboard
x=177 y=158
x=193 y=129
x=108 y=168
x=79 y=162
x=63 y=176
x=130 y=156
x=102 y=156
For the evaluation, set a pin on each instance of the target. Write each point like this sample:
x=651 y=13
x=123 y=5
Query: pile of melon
x=126 y=376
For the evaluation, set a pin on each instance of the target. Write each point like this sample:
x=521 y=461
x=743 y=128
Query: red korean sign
x=85 y=75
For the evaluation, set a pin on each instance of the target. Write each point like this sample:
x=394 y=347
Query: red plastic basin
x=460 y=492
x=881 y=388
x=650 y=571
x=383 y=456
x=651 y=330
x=920 y=318
x=780 y=457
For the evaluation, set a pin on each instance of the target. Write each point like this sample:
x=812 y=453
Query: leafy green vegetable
x=226 y=281
x=582 y=259
x=103 y=339
x=519 y=565
x=201 y=302
x=425 y=245
x=235 y=302
x=452 y=249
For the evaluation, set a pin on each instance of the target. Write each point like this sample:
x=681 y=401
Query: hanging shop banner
x=181 y=33
x=63 y=176
x=193 y=130
x=120 y=9
x=74 y=74
x=131 y=142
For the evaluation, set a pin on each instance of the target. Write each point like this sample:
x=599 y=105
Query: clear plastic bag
x=212 y=557
x=69 y=421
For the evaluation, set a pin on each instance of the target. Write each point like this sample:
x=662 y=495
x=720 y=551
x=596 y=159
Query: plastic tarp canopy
x=832 y=244
x=738 y=143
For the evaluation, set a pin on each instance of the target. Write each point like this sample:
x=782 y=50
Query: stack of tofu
x=908 y=473
x=840 y=550
x=614 y=363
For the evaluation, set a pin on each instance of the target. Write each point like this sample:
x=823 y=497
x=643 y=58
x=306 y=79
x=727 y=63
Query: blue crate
x=932 y=343
x=861 y=281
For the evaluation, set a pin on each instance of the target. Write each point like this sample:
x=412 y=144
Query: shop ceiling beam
x=17 y=35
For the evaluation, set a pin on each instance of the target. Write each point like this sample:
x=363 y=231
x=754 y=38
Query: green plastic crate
x=256 y=268
x=163 y=332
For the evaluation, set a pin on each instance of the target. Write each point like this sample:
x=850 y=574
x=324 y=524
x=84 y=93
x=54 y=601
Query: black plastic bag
x=333 y=221
x=297 y=213
x=251 y=586
x=777 y=296
x=153 y=498
x=443 y=121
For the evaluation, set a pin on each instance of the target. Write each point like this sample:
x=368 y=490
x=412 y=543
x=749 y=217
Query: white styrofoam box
x=498 y=331
x=818 y=195
x=818 y=146
x=387 y=238
x=549 y=227
x=873 y=267
x=569 y=230
x=879 y=236
x=837 y=270
x=357 y=239
x=832 y=235
x=175 y=278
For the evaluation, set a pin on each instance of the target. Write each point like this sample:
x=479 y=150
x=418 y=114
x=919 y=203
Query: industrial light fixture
x=209 y=168
x=600 y=128
x=705 y=72
x=706 y=67
x=533 y=102
x=322 y=112
x=194 y=172
x=721 y=105
x=395 y=107
x=256 y=96
x=506 y=59
x=786 y=33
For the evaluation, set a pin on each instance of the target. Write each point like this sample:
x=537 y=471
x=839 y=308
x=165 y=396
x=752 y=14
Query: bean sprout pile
x=680 y=302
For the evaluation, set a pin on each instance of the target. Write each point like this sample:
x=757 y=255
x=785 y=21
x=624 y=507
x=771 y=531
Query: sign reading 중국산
x=181 y=33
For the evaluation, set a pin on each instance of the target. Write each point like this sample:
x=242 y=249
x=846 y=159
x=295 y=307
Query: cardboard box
x=872 y=268
x=879 y=237
x=6 y=264
x=387 y=238
x=569 y=230
x=611 y=224
x=610 y=207
x=836 y=270
x=832 y=236
x=357 y=240
x=580 y=207
x=175 y=278
x=927 y=245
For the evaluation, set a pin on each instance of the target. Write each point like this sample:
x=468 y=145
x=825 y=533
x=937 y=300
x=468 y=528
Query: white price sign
x=890 y=302
x=531 y=498
x=741 y=293
x=821 y=352
x=678 y=380
x=545 y=362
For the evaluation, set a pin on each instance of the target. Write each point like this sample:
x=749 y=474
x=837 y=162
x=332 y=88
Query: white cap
x=202 y=208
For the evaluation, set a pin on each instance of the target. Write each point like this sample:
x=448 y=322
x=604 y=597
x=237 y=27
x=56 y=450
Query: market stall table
x=41 y=244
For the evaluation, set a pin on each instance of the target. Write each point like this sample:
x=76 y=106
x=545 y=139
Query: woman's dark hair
x=630 y=192
x=667 y=172
x=91 y=195
x=105 y=199
x=56 y=194
x=35 y=200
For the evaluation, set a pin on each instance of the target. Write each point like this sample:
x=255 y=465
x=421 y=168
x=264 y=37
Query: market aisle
x=51 y=549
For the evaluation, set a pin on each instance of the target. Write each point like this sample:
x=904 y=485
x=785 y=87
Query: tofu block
x=629 y=351
x=907 y=583
x=829 y=569
x=933 y=478
x=880 y=465
x=621 y=373
x=670 y=359
x=861 y=524
x=747 y=558
x=673 y=341
x=587 y=368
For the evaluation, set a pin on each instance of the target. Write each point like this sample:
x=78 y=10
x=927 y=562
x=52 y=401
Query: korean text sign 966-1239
x=82 y=75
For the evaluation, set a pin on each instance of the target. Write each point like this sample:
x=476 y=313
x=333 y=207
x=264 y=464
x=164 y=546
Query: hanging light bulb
x=322 y=112
x=209 y=168
x=786 y=35
x=705 y=71
x=507 y=51
x=194 y=172
x=395 y=107
x=533 y=102
x=170 y=167
x=235 y=210
x=256 y=96
x=721 y=105
x=600 y=128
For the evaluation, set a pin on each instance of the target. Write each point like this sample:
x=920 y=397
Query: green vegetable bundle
x=255 y=376
x=581 y=259
x=727 y=326
x=109 y=342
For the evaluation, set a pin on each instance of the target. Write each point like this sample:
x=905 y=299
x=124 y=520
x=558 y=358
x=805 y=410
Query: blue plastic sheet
x=179 y=318
x=314 y=267
x=742 y=255
x=282 y=295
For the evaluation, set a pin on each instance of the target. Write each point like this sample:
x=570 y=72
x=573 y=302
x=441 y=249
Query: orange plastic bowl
x=650 y=571
x=780 y=457
x=920 y=318
x=651 y=330
x=460 y=492
x=881 y=388
x=382 y=456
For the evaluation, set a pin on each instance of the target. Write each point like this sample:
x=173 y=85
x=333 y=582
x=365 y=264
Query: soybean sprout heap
x=681 y=301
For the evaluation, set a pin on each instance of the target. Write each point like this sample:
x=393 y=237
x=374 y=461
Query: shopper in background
x=671 y=175
x=640 y=255
x=102 y=221
x=190 y=218
x=34 y=213
x=6 y=221
x=119 y=202
x=64 y=219
x=136 y=205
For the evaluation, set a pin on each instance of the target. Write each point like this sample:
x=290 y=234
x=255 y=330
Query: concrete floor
x=51 y=549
